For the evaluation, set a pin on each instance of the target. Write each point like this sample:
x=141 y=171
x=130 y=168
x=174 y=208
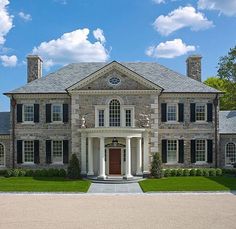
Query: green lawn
x=189 y=184
x=42 y=184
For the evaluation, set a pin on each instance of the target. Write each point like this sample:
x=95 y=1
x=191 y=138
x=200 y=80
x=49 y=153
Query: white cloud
x=98 y=34
x=181 y=18
x=25 y=17
x=159 y=1
x=5 y=21
x=8 y=61
x=227 y=7
x=73 y=47
x=169 y=49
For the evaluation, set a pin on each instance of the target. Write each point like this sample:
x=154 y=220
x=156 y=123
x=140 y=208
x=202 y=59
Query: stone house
x=114 y=116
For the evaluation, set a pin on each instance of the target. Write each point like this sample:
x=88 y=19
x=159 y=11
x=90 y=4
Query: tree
x=73 y=170
x=156 y=167
x=228 y=100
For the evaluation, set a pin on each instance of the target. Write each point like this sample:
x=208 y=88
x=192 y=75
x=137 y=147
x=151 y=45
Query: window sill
x=28 y=163
x=201 y=122
x=57 y=163
x=172 y=122
x=201 y=163
x=56 y=123
x=28 y=123
x=172 y=163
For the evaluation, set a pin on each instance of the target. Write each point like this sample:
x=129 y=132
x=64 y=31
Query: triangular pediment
x=114 y=76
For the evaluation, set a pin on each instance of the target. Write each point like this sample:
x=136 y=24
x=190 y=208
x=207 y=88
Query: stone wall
x=5 y=140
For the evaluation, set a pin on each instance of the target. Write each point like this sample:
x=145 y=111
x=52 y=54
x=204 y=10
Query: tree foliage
x=156 y=167
x=73 y=170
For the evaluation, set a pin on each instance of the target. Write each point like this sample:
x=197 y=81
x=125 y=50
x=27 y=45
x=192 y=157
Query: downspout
x=13 y=105
x=215 y=102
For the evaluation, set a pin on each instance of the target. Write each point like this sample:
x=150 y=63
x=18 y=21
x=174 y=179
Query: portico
x=114 y=151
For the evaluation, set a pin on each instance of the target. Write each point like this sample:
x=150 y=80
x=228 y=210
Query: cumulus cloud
x=181 y=18
x=169 y=49
x=6 y=21
x=226 y=7
x=159 y=1
x=8 y=61
x=73 y=47
x=25 y=17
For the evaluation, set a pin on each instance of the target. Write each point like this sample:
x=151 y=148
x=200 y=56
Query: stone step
x=115 y=180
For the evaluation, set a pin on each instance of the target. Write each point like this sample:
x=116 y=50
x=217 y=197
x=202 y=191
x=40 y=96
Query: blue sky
x=65 y=31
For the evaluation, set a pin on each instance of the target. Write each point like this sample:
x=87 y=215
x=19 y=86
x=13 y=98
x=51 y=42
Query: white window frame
x=23 y=152
x=123 y=115
x=57 y=162
x=57 y=104
x=177 y=152
x=177 y=112
x=23 y=113
x=205 y=161
x=201 y=104
x=226 y=153
x=4 y=155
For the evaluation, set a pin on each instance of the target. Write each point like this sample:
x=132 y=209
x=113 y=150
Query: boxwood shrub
x=199 y=172
x=193 y=172
x=167 y=173
x=186 y=172
x=206 y=172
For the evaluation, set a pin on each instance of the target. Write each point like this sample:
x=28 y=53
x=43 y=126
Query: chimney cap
x=34 y=57
x=195 y=56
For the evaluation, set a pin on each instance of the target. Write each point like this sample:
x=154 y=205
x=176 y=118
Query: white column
x=102 y=174
x=128 y=159
x=83 y=154
x=139 y=157
x=90 y=157
x=146 y=155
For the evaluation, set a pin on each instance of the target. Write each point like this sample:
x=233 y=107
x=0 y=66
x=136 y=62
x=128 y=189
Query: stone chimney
x=194 y=67
x=34 y=68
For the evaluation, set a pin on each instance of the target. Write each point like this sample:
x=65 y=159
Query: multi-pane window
x=171 y=151
x=56 y=112
x=28 y=151
x=127 y=117
x=57 y=148
x=171 y=112
x=101 y=118
x=114 y=112
x=230 y=153
x=200 y=150
x=200 y=112
x=2 y=155
x=28 y=113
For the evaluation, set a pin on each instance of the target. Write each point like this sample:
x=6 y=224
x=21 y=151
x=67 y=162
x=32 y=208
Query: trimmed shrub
x=186 y=172
x=156 y=166
x=15 y=172
x=193 y=172
x=173 y=172
x=206 y=172
x=212 y=172
x=8 y=173
x=199 y=172
x=180 y=172
x=22 y=173
x=62 y=173
x=229 y=171
x=3 y=172
x=51 y=172
x=29 y=172
x=73 y=171
x=167 y=172
x=218 y=172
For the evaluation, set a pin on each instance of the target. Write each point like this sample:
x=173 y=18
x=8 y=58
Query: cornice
x=44 y=96
x=187 y=95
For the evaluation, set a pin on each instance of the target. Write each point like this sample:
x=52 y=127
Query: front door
x=115 y=161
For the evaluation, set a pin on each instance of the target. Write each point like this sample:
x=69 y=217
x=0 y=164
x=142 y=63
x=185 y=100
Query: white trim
x=115 y=92
x=4 y=155
x=226 y=152
x=206 y=149
x=176 y=115
x=59 y=162
x=23 y=113
x=177 y=152
x=23 y=153
x=201 y=121
x=56 y=122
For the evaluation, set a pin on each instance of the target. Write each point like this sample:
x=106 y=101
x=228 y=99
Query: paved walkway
x=115 y=188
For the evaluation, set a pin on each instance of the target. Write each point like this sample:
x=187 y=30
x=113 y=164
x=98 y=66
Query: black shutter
x=163 y=112
x=209 y=112
x=181 y=112
x=48 y=152
x=36 y=112
x=193 y=151
x=36 y=151
x=19 y=151
x=19 y=113
x=181 y=151
x=209 y=151
x=192 y=112
x=164 y=151
x=65 y=151
x=65 y=112
x=48 y=113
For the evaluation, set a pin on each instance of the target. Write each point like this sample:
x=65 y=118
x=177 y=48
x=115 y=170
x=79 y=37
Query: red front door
x=115 y=161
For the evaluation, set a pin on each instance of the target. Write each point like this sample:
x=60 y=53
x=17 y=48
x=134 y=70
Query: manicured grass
x=42 y=184
x=189 y=184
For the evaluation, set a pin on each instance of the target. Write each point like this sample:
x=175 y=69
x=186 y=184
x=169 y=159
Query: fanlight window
x=230 y=153
x=114 y=112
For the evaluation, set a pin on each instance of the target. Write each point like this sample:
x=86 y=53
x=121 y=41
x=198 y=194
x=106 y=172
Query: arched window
x=114 y=112
x=230 y=153
x=2 y=155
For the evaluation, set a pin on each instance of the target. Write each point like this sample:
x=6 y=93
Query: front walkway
x=115 y=188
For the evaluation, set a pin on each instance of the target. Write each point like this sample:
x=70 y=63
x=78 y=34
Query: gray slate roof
x=170 y=80
x=227 y=121
x=4 y=122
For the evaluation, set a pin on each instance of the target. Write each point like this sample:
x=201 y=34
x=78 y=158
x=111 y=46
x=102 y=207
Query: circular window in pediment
x=114 y=80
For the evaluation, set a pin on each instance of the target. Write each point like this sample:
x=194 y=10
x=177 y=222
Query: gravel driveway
x=118 y=211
